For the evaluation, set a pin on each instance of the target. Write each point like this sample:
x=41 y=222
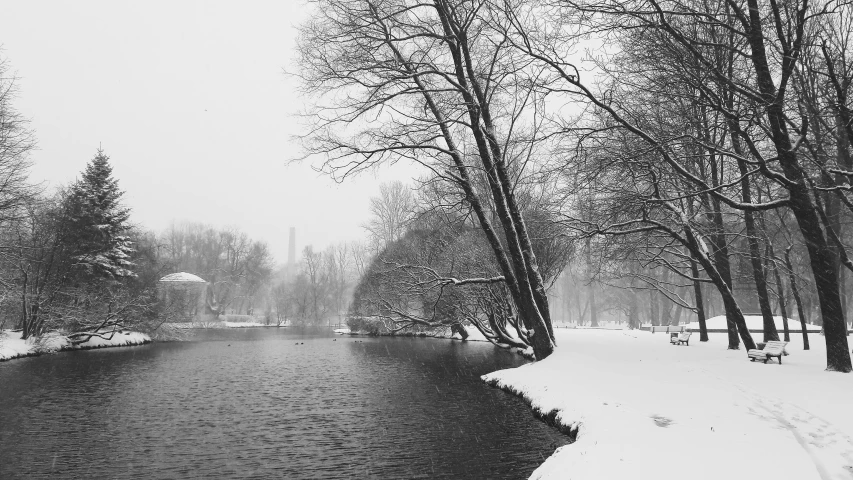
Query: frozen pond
x=251 y=403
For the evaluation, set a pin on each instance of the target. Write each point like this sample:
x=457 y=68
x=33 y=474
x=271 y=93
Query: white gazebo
x=181 y=278
x=182 y=293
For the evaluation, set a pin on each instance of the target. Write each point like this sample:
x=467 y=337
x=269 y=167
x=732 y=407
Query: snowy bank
x=13 y=346
x=642 y=408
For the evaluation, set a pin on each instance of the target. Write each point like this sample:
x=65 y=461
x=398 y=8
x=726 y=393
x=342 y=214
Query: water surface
x=268 y=403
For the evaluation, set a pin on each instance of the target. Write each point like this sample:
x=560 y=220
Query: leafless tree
x=746 y=62
x=390 y=213
x=434 y=84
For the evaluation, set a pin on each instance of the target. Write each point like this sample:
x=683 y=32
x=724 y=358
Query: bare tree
x=390 y=213
x=432 y=84
x=760 y=55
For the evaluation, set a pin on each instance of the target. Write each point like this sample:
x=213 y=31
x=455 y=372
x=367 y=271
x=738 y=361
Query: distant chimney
x=291 y=247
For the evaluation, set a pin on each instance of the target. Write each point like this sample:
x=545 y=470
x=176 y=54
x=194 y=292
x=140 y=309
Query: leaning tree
x=436 y=84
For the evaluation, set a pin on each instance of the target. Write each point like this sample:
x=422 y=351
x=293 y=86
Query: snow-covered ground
x=753 y=322
x=646 y=409
x=13 y=346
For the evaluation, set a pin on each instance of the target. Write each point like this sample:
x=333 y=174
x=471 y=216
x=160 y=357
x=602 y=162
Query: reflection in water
x=251 y=403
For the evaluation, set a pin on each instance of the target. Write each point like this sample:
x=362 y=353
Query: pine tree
x=97 y=223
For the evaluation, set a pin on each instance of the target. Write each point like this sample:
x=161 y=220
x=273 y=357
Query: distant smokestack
x=291 y=247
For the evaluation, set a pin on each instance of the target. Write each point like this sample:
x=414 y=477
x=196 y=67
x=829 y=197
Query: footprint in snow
x=662 y=421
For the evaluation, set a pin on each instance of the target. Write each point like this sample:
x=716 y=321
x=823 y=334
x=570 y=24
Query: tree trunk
x=792 y=279
x=721 y=260
x=532 y=302
x=697 y=296
x=582 y=308
x=676 y=318
x=758 y=276
x=733 y=311
x=593 y=308
x=25 y=316
x=842 y=286
x=457 y=328
x=653 y=308
x=821 y=257
x=528 y=296
x=666 y=311
x=781 y=294
x=633 y=311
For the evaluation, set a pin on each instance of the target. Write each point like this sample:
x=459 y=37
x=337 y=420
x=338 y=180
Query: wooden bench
x=771 y=349
x=680 y=339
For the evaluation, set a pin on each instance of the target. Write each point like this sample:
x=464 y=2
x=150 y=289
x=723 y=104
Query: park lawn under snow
x=646 y=409
x=13 y=346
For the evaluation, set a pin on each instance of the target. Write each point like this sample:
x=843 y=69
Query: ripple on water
x=264 y=407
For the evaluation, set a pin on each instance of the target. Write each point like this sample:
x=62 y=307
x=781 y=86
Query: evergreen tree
x=97 y=223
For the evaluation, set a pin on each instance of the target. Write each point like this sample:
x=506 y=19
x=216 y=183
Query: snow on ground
x=753 y=322
x=644 y=408
x=122 y=339
x=13 y=346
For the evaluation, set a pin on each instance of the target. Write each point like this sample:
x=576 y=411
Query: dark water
x=250 y=403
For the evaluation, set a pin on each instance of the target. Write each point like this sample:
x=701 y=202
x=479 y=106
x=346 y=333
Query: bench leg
x=765 y=360
x=780 y=359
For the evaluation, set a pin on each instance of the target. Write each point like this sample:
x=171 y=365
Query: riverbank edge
x=552 y=418
x=472 y=332
x=36 y=351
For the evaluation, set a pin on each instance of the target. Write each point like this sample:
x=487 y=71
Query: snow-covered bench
x=771 y=349
x=680 y=339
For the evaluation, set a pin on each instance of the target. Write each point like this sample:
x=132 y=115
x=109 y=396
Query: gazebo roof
x=181 y=277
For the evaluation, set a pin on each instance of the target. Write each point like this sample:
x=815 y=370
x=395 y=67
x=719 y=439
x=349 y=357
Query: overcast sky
x=189 y=100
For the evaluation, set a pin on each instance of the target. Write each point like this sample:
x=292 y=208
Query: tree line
x=72 y=259
x=683 y=146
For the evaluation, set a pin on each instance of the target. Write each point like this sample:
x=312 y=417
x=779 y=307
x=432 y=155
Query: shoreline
x=474 y=335
x=12 y=347
x=551 y=417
